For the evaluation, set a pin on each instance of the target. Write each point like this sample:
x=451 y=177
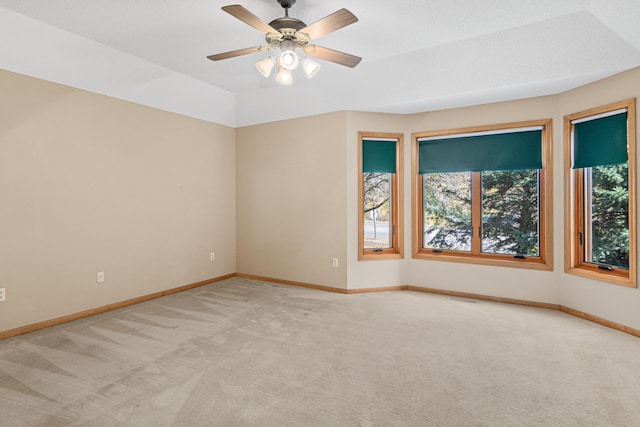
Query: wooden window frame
x=545 y=259
x=396 y=249
x=574 y=187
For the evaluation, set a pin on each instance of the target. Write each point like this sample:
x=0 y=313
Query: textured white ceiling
x=418 y=55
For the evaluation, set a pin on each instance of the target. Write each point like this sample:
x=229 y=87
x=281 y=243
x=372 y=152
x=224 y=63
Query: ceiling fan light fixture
x=264 y=66
x=310 y=67
x=289 y=34
x=284 y=76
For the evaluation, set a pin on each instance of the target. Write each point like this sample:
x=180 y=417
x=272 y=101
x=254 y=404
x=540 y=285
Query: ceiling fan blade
x=332 y=55
x=329 y=23
x=234 y=53
x=249 y=18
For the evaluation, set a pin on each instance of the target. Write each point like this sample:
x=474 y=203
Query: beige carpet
x=241 y=352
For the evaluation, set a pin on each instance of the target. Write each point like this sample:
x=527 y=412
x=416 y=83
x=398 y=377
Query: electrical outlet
x=212 y=256
x=3 y=294
x=100 y=277
x=335 y=262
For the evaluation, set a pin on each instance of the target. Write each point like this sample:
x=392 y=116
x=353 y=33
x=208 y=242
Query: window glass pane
x=447 y=211
x=607 y=205
x=377 y=210
x=510 y=221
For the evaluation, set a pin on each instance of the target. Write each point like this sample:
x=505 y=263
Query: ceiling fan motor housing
x=286 y=25
x=287 y=22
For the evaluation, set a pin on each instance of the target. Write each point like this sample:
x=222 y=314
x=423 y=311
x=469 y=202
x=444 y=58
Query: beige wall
x=89 y=183
x=390 y=272
x=616 y=303
x=283 y=251
x=498 y=281
x=291 y=200
x=506 y=282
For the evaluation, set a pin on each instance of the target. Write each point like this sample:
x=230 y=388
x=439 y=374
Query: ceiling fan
x=288 y=34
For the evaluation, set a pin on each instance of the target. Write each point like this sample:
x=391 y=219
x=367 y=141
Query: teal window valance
x=517 y=150
x=378 y=156
x=600 y=142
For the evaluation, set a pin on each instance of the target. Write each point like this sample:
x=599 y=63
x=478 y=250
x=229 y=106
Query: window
x=483 y=195
x=379 y=196
x=600 y=193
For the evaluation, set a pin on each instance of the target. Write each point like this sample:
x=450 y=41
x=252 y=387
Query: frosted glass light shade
x=310 y=67
x=264 y=66
x=284 y=76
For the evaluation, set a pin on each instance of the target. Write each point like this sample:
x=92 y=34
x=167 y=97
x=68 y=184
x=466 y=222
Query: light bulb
x=288 y=58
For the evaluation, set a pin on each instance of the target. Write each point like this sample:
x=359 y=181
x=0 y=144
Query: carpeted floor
x=242 y=352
